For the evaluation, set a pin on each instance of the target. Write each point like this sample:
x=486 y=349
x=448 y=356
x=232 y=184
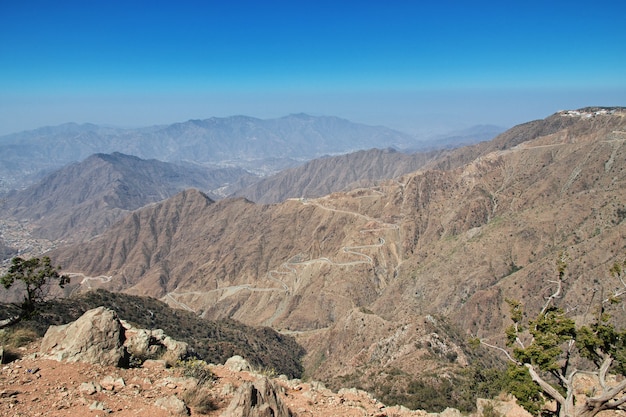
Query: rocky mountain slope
x=73 y=371
x=83 y=199
x=211 y=340
x=6 y=251
x=254 y=144
x=323 y=176
x=369 y=280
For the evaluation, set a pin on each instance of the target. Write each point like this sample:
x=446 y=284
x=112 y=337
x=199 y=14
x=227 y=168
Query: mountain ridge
x=241 y=141
x=365 y=278
x=324 y=176
x=83 y=199
x=378 y=261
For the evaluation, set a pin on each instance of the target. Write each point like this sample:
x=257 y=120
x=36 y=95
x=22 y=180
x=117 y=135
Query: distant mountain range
x=379 y=263
x=259 y=146
x=83 y=199
x=323 y=176
x=368 y=280
x=232 y=141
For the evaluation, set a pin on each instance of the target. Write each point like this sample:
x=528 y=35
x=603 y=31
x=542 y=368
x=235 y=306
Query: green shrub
x=489 y=411
x=266 y=371
x=196 y=368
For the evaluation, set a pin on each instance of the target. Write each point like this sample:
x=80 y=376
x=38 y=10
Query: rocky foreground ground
x=73 y=371
x=34 y=386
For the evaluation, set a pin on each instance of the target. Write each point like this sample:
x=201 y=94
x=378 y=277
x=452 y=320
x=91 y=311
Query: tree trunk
x=567 y=406
x=586 y=411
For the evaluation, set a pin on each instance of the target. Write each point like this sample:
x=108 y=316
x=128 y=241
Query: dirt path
x=288 y=271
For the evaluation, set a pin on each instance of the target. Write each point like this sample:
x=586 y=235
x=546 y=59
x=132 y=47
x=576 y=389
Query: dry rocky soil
x=36 y=386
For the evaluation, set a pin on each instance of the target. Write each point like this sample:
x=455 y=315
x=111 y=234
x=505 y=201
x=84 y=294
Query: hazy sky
x=411 y=65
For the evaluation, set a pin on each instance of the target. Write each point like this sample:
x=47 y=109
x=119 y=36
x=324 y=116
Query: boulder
x=173 y=404
x=257 y=399
x=110 y=383
x=96 y=337
x=237 y=364
x=100 y=337
x=89 y=388
x=152 y=343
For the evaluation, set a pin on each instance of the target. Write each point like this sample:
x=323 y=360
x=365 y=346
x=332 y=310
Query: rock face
x=99 y=337
x=96 y=337
x=144 y=343
x=257 y=399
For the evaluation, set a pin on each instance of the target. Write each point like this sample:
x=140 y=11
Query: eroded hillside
x=367 y=280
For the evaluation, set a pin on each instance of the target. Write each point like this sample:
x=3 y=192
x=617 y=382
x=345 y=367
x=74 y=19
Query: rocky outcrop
x=96 y=337
x=34 y=386
x=142 y=343
x=99 y=337
x=257 y=399
x=237 y=364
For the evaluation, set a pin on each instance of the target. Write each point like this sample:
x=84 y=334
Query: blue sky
x=411 y=65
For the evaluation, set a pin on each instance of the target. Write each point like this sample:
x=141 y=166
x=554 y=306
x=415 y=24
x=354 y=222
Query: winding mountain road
x=288 y=268
x=86 y=279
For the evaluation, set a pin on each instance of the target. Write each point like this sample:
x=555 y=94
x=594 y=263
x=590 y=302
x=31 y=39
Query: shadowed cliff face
x=346 y=272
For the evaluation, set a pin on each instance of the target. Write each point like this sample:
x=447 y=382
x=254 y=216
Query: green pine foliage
x=550 y=330
x=548 y=351
x=35 y=275
x=519 y=383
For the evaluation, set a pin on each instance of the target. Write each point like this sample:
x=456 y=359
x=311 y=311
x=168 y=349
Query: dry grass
x=12 y=339
x=200 y=400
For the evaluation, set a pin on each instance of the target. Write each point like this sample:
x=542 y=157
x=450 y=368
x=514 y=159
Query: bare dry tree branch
x=615 y=404
x=553 y=296
x=608 y=394
x=547 y=388
x=604 y=368
x=617 y=293
x=508 y=355
x=519 y=342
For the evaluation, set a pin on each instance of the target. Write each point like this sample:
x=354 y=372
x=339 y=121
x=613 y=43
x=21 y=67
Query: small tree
x=36 y=274
x=552 y=351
